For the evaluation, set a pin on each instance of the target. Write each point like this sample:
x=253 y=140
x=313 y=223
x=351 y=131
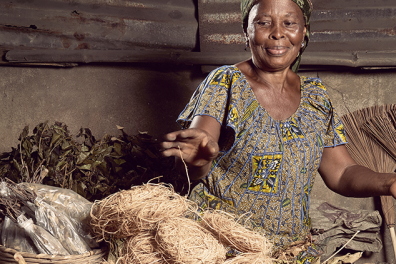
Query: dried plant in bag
x=13 y=198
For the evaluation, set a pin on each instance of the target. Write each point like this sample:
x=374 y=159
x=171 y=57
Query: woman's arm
x=344 y=176
x=198 y=146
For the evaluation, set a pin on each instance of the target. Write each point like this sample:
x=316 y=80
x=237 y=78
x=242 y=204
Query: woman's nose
x=277 y=32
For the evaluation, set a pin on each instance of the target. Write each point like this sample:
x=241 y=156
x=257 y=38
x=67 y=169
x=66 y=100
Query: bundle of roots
x=141 y=248
x=250 y=258
x=185 y=241
x=232 y=234
x=128 y=212
x=152 y=221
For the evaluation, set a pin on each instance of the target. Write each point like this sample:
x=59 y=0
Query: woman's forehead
x=285 y=7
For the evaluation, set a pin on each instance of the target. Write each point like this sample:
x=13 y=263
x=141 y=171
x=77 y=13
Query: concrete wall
x=149 y=98
x=141 y=98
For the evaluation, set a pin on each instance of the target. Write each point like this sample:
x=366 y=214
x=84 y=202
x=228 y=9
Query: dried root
x=141 y=249
x=232 y=234
x=250 y=258
x=128 y=212
x=185 y=241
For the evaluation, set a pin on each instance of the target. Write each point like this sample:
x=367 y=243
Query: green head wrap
x=305 y=6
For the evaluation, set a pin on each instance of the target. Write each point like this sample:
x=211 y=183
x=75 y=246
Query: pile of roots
x=151 y=220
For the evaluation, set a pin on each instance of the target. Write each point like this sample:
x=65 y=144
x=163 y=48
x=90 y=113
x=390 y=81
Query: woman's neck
x=278 y=80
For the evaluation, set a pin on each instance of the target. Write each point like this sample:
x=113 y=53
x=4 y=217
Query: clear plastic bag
x=4 y=190
x=76 y=207
x=12 y=236
x=60 y=226
x=42 y=239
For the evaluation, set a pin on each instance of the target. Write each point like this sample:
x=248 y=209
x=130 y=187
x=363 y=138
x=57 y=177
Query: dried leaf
x=120 y=161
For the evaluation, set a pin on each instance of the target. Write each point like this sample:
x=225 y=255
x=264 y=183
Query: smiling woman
x=275 y=34
x=254 y=134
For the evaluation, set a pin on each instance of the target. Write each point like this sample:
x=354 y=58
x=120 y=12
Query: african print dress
x=266 y=167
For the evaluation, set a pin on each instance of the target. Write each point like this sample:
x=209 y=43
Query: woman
x=255 y=133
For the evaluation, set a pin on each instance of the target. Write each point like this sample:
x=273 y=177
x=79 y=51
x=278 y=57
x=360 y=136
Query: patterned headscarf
x=305 y=6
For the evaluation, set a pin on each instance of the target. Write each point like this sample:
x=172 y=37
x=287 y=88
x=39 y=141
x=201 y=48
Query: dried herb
x=13 y=198
x=92 y=168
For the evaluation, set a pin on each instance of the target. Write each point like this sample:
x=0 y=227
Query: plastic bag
x=12 y=236
x=44 y=241
x=60 y=226
x=4 y=190
x=76 y=207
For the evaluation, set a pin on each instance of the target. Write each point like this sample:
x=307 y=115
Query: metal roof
x=353 y=33
x=98 y=24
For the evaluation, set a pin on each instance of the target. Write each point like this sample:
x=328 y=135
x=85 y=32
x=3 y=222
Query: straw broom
x=382 y=128
x=366 y=151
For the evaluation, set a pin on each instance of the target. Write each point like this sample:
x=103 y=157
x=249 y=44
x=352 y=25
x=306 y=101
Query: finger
x=191 y=133
x=171 y=152
x=171 y=136
x=181 y=135
x=176 y=145
x=212 y=149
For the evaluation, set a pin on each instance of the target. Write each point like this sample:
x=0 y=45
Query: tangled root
x=232 y=234
x=141 y=249
x=250 y=258
x=128 y=212
x=185 y=241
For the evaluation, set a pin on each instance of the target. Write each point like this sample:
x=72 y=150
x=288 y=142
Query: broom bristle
x=366 y=129
x=388 y=210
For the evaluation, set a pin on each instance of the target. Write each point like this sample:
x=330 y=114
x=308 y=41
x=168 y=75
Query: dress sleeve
x=209 y=99
x=334 y=133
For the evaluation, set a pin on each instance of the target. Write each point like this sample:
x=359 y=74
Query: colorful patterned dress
x=266 y=167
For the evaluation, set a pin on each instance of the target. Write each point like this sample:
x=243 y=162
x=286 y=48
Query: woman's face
x=275 y=32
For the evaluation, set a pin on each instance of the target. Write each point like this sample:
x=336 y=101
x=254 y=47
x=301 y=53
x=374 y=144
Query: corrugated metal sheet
x=352 y=33
x=98 y=24
x=342 y=31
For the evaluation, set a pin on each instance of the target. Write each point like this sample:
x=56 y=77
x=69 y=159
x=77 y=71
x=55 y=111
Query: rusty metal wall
x=98 y=24
x=341 y=31
x=353 y=33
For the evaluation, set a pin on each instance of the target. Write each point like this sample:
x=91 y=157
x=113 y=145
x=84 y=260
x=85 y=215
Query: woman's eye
x=289 y=23
x=264 y=23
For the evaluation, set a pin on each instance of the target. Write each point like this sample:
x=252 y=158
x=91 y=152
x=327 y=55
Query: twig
x=357 y=232
x=24 y=166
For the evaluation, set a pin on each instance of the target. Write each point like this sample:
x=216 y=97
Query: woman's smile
x=277 y=50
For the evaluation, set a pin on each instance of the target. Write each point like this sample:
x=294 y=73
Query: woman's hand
x=194 y=145
x=392 y=189
x=197 y=146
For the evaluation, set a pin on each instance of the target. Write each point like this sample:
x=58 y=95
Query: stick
x=393 y=236
x=357 y=232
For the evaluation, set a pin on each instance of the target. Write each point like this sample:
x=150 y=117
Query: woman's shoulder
x=312 y=83
x=225 y=69
x=314 y=95
x=224 y=76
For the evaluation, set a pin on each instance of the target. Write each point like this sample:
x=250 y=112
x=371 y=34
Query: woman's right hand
x=195 y=146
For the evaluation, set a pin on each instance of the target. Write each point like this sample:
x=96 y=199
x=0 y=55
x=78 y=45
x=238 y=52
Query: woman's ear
x=246 y=40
